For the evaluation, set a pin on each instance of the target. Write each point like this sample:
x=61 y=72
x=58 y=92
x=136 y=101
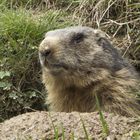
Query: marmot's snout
x=45 y=51
x=48 y=50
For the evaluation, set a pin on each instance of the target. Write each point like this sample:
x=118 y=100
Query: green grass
x=84 y=128
x=63 y=133
x=72 y=136
x=15 y=4
x=136 y=135
x=56 y=131
x=20 y=34
x=105 y=127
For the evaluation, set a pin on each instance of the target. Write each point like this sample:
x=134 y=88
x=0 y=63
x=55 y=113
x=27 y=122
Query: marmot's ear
x=99 y=33
x=104 y=42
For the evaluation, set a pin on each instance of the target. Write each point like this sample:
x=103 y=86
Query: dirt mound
x=49 y=126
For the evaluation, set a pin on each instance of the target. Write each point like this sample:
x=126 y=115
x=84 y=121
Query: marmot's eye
x=77 y=38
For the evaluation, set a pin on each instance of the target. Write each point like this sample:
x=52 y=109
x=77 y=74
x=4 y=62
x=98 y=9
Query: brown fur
x=79 y=63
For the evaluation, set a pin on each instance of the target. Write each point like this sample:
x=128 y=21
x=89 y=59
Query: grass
x=105 y=127
x=84 y=128
x=63 y=133
x=136 y=135
x=72 y=136
x=15 y=4
x=56 y=132
x=21 y=33
x=104 y=124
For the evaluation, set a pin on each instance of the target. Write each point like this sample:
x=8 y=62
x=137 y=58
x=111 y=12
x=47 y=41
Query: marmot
x=79 y=63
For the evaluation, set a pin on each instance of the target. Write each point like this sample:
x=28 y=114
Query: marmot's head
x=78 y=52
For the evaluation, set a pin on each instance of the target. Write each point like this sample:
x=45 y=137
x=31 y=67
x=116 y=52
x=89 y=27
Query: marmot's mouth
x=56 y=66
x=52 y=66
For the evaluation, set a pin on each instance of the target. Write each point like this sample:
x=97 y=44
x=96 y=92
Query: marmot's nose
x=46 y=52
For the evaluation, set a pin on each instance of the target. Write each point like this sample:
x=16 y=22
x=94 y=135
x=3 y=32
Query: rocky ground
x=50 y=126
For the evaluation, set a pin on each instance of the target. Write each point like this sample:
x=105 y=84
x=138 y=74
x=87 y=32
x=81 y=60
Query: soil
x=49 y=126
